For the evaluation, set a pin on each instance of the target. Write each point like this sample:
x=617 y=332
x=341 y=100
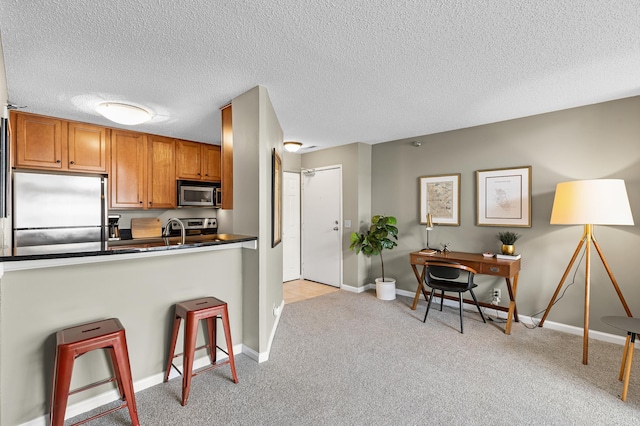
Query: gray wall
x=256 y=133
x=591 y=142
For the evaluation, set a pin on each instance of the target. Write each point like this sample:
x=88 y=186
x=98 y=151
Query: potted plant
x=373 y=243
x=508 y=240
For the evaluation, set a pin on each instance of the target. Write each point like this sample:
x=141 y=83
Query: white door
x=290 y=226
x=321 y=230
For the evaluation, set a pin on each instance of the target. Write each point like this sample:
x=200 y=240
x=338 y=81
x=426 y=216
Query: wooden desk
x=484 y=265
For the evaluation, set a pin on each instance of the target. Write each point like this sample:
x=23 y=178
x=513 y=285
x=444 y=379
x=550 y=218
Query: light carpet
x=351 y=359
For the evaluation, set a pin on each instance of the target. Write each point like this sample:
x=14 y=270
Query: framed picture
x=504 y=197
x=276 y=201
x=440 y=196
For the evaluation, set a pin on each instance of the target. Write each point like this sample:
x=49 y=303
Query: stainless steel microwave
x=198 y=194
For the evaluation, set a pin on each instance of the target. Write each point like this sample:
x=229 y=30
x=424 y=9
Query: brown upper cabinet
x=161 y=172
x=226 y=138
x=197 y=161
x=52 y=144
x=127 y=179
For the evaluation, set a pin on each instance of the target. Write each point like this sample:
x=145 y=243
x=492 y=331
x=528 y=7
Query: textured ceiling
x=337 y=71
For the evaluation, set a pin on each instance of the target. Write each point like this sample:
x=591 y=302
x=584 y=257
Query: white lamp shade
x=591 y=202
x=123 y=113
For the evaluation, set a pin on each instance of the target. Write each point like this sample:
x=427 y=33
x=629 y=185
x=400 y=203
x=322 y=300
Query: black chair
x=441 y=276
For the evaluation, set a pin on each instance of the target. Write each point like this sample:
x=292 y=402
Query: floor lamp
x=589 y=203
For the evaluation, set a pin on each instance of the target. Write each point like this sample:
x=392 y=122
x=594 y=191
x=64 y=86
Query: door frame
x=285 y=223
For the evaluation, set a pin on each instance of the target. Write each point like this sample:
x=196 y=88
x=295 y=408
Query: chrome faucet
x=167 y=228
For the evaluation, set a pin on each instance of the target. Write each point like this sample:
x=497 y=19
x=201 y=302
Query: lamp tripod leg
x=613 y=280
x=564 y=277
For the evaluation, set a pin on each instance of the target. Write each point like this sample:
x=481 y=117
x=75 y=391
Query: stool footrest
x=92 y=385
x=203 y=369
x=100 y=415
x=201 y=347
x=210 y=367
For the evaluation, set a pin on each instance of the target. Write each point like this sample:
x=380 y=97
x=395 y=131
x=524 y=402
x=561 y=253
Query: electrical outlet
x=495 y=296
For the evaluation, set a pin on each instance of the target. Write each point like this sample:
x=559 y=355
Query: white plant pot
x=386 y=290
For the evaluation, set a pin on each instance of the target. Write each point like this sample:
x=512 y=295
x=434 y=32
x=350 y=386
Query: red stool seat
x=206 y=308
x=75 y=341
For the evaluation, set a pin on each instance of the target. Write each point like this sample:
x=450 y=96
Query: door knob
x=335 y=228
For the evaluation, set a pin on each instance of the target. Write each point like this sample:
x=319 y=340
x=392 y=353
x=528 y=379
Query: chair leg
x=121 y=354
x=624 y=356
x=61 y=386
x=477 y=305
x=428 y=306
x=172 y=346
x=190 y=335
x=441 y=299
x=211 y=332
x=460 y=304
x=227 y=334
x=627 y=368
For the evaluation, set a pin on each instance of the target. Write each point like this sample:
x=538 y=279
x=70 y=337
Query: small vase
x=509 y=249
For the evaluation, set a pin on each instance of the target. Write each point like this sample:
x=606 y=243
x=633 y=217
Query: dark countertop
x=60 y=251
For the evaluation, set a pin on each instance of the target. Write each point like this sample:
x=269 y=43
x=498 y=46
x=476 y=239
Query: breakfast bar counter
x=136 y=281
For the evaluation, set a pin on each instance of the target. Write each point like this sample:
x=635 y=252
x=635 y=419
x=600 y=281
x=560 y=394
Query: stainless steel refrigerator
x=54 y=209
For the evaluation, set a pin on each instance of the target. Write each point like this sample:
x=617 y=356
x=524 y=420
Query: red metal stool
x=75 y=341
x=206 y=308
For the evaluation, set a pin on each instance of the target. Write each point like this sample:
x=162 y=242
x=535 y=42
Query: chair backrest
x=442 y=270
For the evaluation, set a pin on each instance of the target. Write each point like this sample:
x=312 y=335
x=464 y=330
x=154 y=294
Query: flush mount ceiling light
x=123 y=113
x=292 y=146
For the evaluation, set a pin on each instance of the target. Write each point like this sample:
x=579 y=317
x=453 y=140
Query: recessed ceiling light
x=292 y=146
x=123 y=113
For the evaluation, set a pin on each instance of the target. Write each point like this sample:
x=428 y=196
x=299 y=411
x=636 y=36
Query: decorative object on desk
x=445 y=248
x=429 y=227
x=440 y=197
x=373 y=243
x=488 y=254
x=508 y=239
x=504 y=197
x=589 y=203
x=508 y=256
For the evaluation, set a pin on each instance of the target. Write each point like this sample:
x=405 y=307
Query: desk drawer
x=494 y=269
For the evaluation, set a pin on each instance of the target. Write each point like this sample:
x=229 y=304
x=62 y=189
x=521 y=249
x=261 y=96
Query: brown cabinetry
x=88 y=148
x=142 y=168
x=226 y=181
x=53 y=144
x=128 y=168
x=161 y=172
x=197 y=161
x=142 y=171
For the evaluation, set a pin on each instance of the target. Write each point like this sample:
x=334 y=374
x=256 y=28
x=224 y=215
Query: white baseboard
x=597 y=335
x=353 y=289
